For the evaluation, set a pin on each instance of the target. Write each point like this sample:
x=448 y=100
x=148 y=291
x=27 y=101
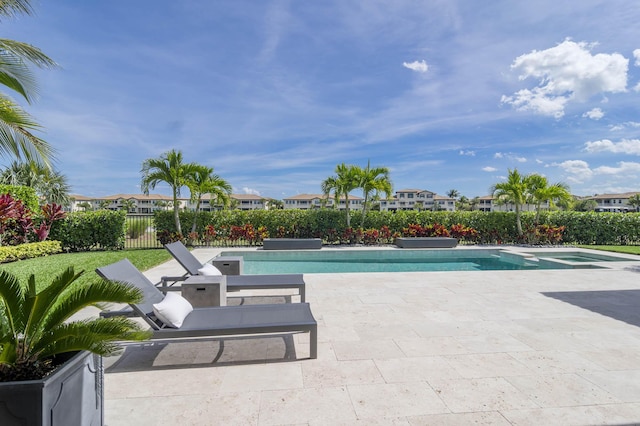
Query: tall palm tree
x=169 y=169
x=514 y=191
x=453 y=193
x=50 y=185
x=345 y=180
x=204 y=181
x=540 y=192
x=16 y=125
x=373 y=181
x=634 y=201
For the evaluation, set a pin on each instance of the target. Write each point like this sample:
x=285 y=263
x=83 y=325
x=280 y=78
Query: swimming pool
x=390 y=260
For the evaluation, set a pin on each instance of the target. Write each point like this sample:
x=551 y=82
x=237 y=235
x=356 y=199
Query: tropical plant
x=50 y=185
x=35 y=326
x=453 y=193
x=540 y=191
x=85 y=205
x=127 y=205
x=169 y=169
x=634 y=201
x=513 y=191
x=373 y=182
x=345 y=180
x=16 y=125
x=204 y=181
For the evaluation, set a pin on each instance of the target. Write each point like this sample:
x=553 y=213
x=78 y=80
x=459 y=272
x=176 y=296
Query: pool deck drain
x=481 y=347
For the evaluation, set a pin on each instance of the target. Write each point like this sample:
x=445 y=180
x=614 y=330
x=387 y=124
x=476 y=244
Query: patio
x=423 y=348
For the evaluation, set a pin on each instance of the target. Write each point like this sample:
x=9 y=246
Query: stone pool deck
x=550 y=347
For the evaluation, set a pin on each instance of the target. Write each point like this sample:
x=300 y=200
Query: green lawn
x=617 y=249
x=46 y=268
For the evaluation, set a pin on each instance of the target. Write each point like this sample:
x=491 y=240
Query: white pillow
x=172 y=310
x=209 y=270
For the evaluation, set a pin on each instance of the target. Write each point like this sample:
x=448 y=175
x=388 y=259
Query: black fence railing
x=140 y=232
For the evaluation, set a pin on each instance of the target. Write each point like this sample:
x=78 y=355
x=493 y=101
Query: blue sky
x=274 y=94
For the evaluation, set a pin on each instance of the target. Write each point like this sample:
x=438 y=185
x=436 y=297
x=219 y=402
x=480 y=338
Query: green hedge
x=29 y=250
x=493 y=227
x=25 y=193
x=84 y=231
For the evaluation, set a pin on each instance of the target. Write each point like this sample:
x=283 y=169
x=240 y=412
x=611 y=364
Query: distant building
x=316 y=201
x=417 y=199
x=617 y=203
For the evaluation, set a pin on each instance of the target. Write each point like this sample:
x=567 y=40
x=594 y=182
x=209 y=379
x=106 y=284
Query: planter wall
x=426 y=242
x=73 y=395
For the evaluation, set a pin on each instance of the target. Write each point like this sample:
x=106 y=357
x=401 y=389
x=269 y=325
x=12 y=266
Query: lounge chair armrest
x=124 y=312
x=168 y=281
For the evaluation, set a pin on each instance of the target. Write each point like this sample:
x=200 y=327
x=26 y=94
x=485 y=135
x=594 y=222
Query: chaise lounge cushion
x=172 y=310
x=209 y=270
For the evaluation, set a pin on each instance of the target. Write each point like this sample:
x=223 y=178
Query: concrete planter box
x=291 y=243
x=72 y=395
x=426 y=242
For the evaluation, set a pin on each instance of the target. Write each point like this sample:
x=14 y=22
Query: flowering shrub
x=417 y=230
x=543 y=234
x=464 y=233
x=17 y=225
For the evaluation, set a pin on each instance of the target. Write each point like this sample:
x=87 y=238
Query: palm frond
x=100 y=336
x=77 y=298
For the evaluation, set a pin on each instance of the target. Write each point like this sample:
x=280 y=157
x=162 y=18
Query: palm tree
x=453 y=193
x=34 y=324
x=373 y=181
x=16 y=126
x=540 y=192
x=170 y=169
x=345 y=180
x=50 y=185
x=204 y=181
x=634 y=201
x=585 y=205
x=104 y=204
x=127 y=205
x=514 y=191
x=85 y=205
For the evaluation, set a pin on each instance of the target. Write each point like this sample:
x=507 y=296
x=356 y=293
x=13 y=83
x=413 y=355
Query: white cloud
x=469 y=153
x=489 y=169
x=636 y=54
x=594 y=114
x=566 y=72
x=578 y=169
x=624 y=168
x=247 y=190
x=625 y=146
x=637 y=87
x=510 y=156
x=418 y=66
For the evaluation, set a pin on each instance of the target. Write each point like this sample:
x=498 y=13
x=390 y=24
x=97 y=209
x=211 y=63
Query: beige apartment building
x=418 y=199
x=616 y=203
x=316 y=201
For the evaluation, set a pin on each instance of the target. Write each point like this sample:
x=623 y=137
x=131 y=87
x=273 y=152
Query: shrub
x=84 y=231
x=29 y=250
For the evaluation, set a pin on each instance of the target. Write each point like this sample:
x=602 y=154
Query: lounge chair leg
x=313 y=343
x=302 y=292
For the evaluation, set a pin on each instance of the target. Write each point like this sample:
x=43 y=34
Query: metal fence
x=140 y=233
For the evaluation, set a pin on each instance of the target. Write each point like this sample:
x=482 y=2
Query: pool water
x=338 y=261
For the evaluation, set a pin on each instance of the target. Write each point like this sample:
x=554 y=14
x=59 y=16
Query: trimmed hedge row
x=84 y=231
x=493 y=227
x=29 y=250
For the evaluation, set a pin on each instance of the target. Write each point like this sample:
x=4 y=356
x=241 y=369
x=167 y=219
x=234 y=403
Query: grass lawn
x=46 y=268
x=617 y=249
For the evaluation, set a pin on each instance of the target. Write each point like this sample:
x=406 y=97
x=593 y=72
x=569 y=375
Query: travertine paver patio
x=431 y=348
